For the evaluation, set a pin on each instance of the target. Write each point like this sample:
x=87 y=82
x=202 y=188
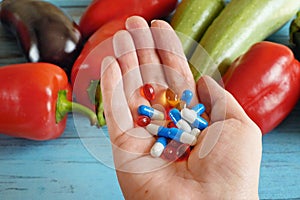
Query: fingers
x=126 y=55
x=150 y=67
x=220 y=104
x=168 y=45
x=128 y=61
x=229 y=122
x=117 y=112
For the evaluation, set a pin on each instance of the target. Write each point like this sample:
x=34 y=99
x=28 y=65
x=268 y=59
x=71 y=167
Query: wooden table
x=78 y=164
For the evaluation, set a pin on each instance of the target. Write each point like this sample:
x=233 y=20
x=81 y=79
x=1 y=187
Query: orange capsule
x=172 y=97
x=148 y=92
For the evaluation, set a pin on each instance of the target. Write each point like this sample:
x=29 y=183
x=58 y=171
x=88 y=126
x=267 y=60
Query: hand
x=225 y=162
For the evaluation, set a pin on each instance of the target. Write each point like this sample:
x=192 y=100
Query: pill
x=199 y=108
x=169 y=153
x=147 y=91
x=196 y=132
x=178 y=121
x=171 y=124
x=172 y=98
x=186 y=98
x=195 y=120
x=172 y=133
x=158 y=147
x=143 y=120
x=150 y=112
x=176 y=151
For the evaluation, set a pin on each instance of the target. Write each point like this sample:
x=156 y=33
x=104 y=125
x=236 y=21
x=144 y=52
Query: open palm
x=225 y=161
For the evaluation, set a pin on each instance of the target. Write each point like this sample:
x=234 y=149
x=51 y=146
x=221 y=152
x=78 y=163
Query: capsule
x=150 y=112
x=171 y=124
x=147 y=91
x=199 y=108
x=172 y=98
x=172 y=133
x=178 y=121
x=196 y=132
x=186 y=98
x=158 y=147
x=143 y=120
x=176 y=151
x=193 y=118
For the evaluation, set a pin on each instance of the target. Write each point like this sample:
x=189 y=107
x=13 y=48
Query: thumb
x=220 y=104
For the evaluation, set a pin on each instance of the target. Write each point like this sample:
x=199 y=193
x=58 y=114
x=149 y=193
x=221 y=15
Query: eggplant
x=44 y=32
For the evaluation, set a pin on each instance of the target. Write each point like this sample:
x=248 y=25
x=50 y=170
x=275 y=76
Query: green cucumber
x=241 y=24
x=191 y=19
x=295 y=29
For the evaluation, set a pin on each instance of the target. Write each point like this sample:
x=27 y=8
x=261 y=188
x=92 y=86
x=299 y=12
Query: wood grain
x=69 y=168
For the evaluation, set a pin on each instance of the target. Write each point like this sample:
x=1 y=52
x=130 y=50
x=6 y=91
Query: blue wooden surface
x=78 y=165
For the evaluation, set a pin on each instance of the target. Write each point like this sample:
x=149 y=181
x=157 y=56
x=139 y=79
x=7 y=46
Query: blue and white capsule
x=193 y=118
x=150 y=112
x=158 y=147
x=196 y=132
x=172 y=133
x=186 y=98
x=199 y=108
x=178 y=121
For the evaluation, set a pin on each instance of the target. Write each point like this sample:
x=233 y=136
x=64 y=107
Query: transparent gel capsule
x=143 y=120
x=169 y=153
x=148 y=92
x=172 y=98
x=176 y=151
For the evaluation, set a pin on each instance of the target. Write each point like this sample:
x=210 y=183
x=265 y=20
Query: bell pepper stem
x=100 y=110
x=64 y=106
x=95 y=96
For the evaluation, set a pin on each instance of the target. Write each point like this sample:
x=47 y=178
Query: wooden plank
x=280 y=168
x=78 y=165
x=56 y=169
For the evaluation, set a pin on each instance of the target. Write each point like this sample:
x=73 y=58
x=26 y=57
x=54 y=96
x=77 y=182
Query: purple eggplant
x=45 y=33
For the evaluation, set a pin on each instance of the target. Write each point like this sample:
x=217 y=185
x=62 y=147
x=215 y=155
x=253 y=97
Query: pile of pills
x=183 y=123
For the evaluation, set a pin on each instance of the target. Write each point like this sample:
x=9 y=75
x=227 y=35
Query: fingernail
x=154 y=20
x=123 y=43
x=132 y=22
x=209 y=141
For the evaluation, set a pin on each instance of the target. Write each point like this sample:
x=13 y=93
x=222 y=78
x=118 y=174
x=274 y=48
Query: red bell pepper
x=86 y=70
x=101 y=11
x=34 y=101
x=266 y=82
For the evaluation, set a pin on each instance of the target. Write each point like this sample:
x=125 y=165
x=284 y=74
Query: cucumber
x=241 y=24
x=191 y=19
x=295 y=30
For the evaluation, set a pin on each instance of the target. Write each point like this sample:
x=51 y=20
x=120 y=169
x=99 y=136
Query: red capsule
x=148 y=92
x=143 y=120
x=171 y=124
x=167 y=110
